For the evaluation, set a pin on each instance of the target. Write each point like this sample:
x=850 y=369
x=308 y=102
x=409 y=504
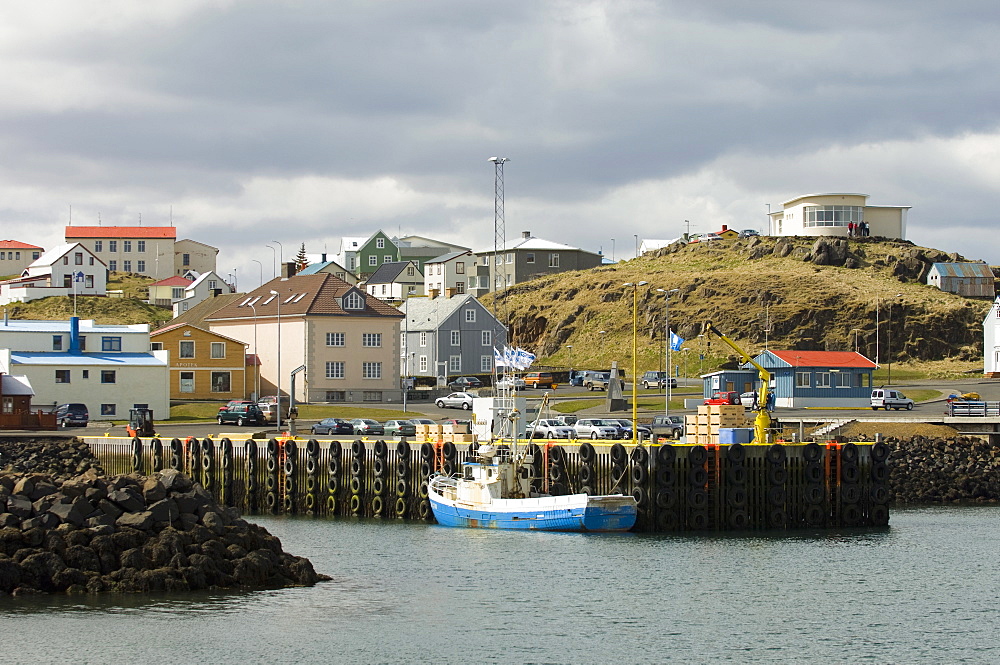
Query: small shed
x=819 y=378
x=15 y=405
x=728 y=380
x=965 y=279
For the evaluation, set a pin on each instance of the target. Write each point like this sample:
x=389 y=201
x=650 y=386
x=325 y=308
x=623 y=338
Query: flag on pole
x=498 y=358
x=523 y=358
x=675 y=341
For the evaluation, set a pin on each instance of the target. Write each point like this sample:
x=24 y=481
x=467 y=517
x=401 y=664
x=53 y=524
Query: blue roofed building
x=965 y=279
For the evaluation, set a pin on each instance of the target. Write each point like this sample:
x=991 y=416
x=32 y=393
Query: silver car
x=550 y=428
x=595 y=428
x=455 y=401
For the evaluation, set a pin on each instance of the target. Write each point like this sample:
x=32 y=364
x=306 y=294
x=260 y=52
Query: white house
x=347 y=256
x=450 y=271
x=395 y=281
x=206 y=285
x=107 y=367
x=991 y=341
x=64 y=270
x=832 y=215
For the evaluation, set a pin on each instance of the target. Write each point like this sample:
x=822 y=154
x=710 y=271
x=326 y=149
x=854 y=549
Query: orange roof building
x=152 y=251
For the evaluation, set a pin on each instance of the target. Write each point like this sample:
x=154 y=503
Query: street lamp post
x=278 y=406
x=261 y=266
x=666 y=325
x=281 y=252
x=857 y=344
x=701 y=357
x=274 y=259
x=256 y=358
x=888 y=343
x=635 y=346
x=570 y=347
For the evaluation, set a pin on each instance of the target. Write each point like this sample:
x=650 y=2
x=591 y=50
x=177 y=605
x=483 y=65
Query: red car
x=732 y=397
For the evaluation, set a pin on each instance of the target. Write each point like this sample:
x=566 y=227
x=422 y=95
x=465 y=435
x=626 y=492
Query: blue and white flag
x=675 y=341
x=523 y=358
x=498 y=358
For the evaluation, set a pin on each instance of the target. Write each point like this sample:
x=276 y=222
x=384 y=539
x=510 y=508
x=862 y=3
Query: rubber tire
x=466 y=406
x=909 y=407
x=593 y=435
x=439 y=404
x=239 y=422
x=219 y=419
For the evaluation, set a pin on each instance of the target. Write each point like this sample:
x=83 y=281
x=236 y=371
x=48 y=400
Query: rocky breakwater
x=932 y=470
x=93 y=534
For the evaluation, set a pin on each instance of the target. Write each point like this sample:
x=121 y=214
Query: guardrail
x=981 y=409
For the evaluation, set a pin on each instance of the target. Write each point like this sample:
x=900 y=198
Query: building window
x=140 y=245
x=335 y=339
x=423 y=339
x=126 y=245
x=459 y=287
x=410 y=271
x=185 y=259
x=177 y=292
x=354 y=300
x=127 y=266
x=373 y=260
x=383 y=289
x=371 y=370
x=460 y=267
x=108 y=376
x=456 y=338
x=455 y=363
x=67 y=281
x=485 y=363
x=140 y=266
x=8 y=405
x=111 y=344
x=822 y=379
x=112 y=266
x=802 y=380
x=380 y=243
x=35 y=255
x=98 y=246
x=335 y=369
x=156 y=346
x=62 y=376
x=218 y=349
x=510 y=258
x=470 y=315
x=386 y=259
x=112 y=245
x=832 y=215
x=371 y=396
x=83 y=343
x=186 y=349
x=78 y=258
x=108 y=409
x=86 y=373
x=553 y=260
x=221 y=382
x=529 y=257
x=212 y=285
x=423 y=363
x=336 y=396
x=57 y=342
x=88 y=282
x=487 y=338
x=371 y=339
x=90 y=260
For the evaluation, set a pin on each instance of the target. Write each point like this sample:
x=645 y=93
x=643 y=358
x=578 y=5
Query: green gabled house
x=380 y=249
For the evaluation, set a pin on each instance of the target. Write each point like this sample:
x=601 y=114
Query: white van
x=890 y=399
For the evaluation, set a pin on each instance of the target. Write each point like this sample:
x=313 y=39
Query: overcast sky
x=307 y=121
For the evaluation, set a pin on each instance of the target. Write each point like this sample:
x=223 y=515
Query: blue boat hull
x=592 y=516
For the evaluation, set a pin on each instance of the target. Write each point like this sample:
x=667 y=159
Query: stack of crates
x=457 y=433
x=703 y=429
x=429 y=432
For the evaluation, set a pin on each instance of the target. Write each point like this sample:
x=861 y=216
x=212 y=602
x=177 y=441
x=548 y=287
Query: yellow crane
x=762 y=423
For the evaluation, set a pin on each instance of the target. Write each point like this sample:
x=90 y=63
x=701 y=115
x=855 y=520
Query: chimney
x=74 y=335
x=525 y=234
x=322 y=257
x=288 y=269
x=433 y=293
x=724 y=227
x=449 y=292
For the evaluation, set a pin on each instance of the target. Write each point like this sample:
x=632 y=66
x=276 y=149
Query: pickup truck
x=671 y=427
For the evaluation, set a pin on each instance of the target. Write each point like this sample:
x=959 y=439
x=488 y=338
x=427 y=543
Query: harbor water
x=922 y=590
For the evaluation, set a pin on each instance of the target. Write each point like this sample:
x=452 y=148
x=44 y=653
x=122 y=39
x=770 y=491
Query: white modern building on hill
x=832 y=214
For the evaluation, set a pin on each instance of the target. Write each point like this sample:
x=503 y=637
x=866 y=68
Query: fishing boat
x=494 y=492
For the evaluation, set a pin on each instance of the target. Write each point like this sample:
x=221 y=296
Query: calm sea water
x=924 y=590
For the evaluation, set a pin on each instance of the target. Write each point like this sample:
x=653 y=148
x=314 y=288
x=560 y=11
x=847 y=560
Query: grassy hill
x=127 y=309
x=787 y=293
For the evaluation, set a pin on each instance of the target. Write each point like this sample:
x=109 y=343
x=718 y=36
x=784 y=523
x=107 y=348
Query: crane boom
x=762 y=423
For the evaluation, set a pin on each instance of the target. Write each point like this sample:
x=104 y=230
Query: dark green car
x=241 y=414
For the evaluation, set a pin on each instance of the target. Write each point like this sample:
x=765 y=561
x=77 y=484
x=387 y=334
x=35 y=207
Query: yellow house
x=205 y=364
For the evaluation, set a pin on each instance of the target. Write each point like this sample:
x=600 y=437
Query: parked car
x=568 y=421
x=465 y=383
x=241 y=414
x=730 y=397
x=234 y=402
x=367 y=427
x=333 y=426
x=668 y=426
x=421 y=421
x=539 y=380
x=890 y=399
x=600 y=381
x=749 y=399
x=551 y=428
x=510 y=382
x=709 y=237
x=644 y=431
x=596 y=428
x=657 y=380
x=74 y=414
x=455 y=401
x=749 y=233
x=399 y=428
x=270 y=411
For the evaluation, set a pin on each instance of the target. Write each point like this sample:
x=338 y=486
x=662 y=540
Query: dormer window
x=354 y=300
